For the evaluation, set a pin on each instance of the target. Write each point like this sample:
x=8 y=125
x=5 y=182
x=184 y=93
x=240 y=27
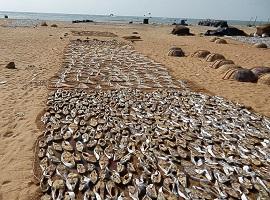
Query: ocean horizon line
x=24 y=15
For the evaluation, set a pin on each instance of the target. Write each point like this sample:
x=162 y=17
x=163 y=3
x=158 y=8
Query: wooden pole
x=255 y=21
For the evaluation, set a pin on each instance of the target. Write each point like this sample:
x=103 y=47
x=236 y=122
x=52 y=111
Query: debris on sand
x=11 y=65
x=181 y=30
x=176 y=52
x=44 y=24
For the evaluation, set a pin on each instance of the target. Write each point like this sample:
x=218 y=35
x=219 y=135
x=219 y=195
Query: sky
x=214 y=9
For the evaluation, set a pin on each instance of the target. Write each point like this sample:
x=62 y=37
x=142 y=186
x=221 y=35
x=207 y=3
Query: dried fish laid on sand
x=95 y=64
x=118 y=126
x=160 y=144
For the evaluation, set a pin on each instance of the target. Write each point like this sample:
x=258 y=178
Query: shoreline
x=115 y=18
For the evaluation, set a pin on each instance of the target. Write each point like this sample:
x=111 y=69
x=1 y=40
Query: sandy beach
x=38 y=55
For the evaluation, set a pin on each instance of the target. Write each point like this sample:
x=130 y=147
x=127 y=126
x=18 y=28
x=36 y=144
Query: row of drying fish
x=110 y=64
x=164 y=144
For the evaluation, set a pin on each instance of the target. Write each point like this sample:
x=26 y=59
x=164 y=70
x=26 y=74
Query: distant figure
x=145 y=21
x=183 y=22
x=6 y=17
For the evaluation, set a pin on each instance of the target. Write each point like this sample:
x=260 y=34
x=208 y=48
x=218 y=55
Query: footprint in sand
x=8 y=134
x=5 y=183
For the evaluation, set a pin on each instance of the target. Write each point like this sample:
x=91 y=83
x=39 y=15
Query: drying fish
x=133 y=192
x=79 y=146
x=93 y=176
x=72 y=180
x=156 y=177
x=58 y=188
x=115 y=177
x=67 y=159
x=103 y=162
x=69 y=196
x=112 y=190
x=44 y=184
x=121 y=138
x=89 y=157
x=67 y=146
x=61 y=170
x=81 y=168
x=151 y=191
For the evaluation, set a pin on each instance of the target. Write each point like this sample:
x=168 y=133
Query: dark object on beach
x=44 y=24
x=131 y=22
x=181 y=30
x=230 y=31
x=176 y=52
x=54 y=25
x=263 y=30
x=221 y=24
x=220 y=41
x=145 y=21
x=61 y=38
x=132 y=38
x=215 y=23
x=183 y=23
x=260 y=45
x=135 y=32
x=245 y=75
x=11 y=65
x=6 y=16
x=259 y=71
x=214 y=56
x=82 y=21
x=201 y=54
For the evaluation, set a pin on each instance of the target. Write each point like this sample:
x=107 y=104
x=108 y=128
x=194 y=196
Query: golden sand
x=37 y=53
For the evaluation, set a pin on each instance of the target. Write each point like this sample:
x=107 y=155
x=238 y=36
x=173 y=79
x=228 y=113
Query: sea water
x=29 y=17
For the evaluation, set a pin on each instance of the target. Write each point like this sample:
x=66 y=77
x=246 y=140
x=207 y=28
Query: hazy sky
x=219 y=9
